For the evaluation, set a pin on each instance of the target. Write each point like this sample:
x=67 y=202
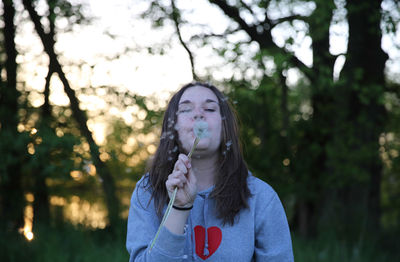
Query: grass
x=329 y=248
x=71 y=244
x=67 y=244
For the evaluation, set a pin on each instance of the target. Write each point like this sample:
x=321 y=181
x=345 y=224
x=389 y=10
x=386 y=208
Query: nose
x=198 y=117
x=198 y=114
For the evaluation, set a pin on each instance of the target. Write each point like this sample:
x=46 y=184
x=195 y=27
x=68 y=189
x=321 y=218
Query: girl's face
x=199 y=103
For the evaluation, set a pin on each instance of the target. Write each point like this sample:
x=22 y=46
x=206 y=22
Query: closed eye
x=187 y=110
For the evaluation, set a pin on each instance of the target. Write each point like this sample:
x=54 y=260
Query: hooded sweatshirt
x=260 y=232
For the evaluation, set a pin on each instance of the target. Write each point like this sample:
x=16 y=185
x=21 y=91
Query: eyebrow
x=207 y=101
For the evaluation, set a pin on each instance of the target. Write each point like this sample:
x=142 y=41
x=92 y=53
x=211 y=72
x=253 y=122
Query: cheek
x=217 y=130
x=182 y=127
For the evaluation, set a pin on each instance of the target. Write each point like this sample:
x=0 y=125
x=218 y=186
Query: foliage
x=315 y=140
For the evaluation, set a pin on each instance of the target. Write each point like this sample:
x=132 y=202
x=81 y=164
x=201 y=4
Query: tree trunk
x=107 y=180
x=41 y=205
x=13 y=200
x=312 y=151
x=364 y=70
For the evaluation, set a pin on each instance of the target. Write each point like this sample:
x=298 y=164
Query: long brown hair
x=231 y=191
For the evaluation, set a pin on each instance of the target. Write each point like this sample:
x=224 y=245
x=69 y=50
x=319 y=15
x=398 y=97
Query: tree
x=108 y=182
x=13 y=144
x=329 y=126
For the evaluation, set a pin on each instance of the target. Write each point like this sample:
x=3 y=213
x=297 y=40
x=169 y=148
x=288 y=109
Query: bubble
x=175 y=149
x=224 y=153
x=171 y=137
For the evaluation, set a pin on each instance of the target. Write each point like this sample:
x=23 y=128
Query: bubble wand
x=200 y=130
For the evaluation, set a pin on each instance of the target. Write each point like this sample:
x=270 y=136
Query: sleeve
x=273 y=242
x=142 y=227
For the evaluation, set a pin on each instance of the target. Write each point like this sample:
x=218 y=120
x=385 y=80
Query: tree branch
x=248 y=8
x=290 y=18
x=204 y=36
x=175 y=18
x=264 y=38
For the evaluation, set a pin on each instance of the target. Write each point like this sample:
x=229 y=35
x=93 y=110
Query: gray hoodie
x=260 y=232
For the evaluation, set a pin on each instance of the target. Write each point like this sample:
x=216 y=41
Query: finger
x=178 y=175
x=181 y=167
x=172 y=183
x=179 y=162
x=185 y=159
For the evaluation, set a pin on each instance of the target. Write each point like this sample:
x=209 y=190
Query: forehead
x=198 y=94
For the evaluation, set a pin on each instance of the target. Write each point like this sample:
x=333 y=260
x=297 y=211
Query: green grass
x=329 y=248
x=67 y=244
x=71 y=244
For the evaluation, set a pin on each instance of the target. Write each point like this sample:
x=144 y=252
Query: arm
x=273 y=242
x=182 y=178
x=142 y=226
x=143 y=221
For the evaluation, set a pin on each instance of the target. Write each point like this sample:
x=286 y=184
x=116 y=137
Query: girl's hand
x=183 y=178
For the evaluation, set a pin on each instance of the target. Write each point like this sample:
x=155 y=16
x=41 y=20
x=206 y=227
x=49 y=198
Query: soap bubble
x=175 y=149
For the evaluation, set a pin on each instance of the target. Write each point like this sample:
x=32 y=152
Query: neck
x=205 y=170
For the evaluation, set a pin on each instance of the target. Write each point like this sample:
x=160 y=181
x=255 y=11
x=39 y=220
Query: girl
x=221 y=212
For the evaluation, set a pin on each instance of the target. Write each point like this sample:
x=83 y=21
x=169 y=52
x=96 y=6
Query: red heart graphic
x=214 y=237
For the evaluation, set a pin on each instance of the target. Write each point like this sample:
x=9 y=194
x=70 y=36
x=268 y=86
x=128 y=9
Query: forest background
x=315 y=84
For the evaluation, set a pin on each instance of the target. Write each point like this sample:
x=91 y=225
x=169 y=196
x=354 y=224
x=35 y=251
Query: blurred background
x=84 y=84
